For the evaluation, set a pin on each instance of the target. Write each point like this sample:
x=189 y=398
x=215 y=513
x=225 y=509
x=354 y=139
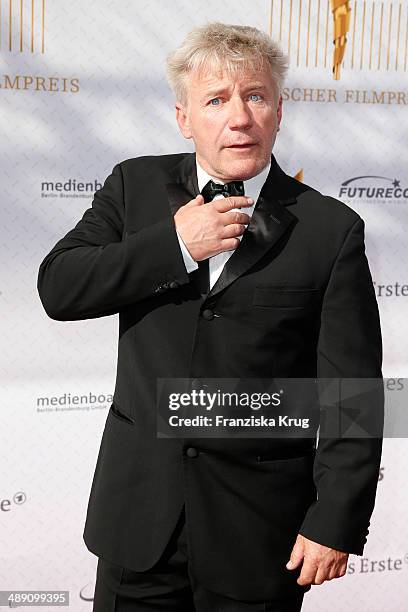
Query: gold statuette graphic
x=341 y=15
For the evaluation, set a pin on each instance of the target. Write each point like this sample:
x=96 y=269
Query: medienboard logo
x=71 y=402
x=341 y=35
x=374 y=189
x=70 y=188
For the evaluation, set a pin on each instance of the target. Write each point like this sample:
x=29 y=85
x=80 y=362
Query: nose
x=240 y=116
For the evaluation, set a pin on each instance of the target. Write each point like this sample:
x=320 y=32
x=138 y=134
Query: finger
x=235 y=217
x=333 y=573
x=199 y=200
x=338 y=571
x=225 y=204
x=322 y=574
x=229 y=244
x=308 y=573
x=296 y=557
x=234 y=229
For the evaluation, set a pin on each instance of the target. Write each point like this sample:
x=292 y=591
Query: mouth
x=244 y=147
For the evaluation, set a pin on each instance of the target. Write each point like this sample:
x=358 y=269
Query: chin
x=244 y=169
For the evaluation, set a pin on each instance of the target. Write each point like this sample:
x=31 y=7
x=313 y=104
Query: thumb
x=199 y=199
x=296 y=556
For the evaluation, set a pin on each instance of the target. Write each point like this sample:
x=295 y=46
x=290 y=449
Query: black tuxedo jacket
x=294 y=300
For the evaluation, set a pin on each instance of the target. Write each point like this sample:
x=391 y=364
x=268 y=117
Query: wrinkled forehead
x=213 y=70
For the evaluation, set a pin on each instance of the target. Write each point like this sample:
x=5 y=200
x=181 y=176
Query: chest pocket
x=270 y=296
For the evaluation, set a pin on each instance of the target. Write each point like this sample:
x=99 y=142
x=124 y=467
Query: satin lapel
x=182 y=189
x=184 y=185
x=269 y=222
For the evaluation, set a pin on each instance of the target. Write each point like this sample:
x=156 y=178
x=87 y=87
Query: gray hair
x=217 y=47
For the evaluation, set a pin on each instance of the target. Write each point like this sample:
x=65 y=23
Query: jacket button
x=173 y=284
x=196 y=384
x=207 y=314
x=192 y=452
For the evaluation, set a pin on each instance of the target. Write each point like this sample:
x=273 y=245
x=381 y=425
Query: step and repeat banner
x=82 y=87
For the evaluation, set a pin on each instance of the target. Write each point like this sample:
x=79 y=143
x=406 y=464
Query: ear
x=183 y=120
x=279 y=111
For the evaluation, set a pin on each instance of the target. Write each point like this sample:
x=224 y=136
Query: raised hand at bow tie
x=209 y=230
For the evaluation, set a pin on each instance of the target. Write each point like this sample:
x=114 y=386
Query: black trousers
x=169 y=586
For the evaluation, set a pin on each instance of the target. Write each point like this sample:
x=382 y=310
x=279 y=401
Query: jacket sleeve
x=347 y=461
x=94 y=271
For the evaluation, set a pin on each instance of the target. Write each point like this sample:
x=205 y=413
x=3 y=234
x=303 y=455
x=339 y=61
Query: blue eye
x=255 y=96
x=216 y=100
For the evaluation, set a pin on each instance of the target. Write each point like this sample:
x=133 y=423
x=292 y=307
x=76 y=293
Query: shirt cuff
x=189 y=262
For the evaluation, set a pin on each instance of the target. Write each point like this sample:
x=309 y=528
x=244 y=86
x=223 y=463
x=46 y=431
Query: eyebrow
x=218 y=90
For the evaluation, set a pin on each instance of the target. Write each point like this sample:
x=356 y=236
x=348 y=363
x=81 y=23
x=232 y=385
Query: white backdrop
x=82 y=86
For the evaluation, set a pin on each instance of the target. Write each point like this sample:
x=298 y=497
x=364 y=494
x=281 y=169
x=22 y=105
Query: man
x=263 y=277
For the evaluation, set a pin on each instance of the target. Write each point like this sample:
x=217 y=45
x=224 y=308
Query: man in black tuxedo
x=221 y=265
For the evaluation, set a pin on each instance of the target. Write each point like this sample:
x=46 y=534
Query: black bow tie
x=211 y=189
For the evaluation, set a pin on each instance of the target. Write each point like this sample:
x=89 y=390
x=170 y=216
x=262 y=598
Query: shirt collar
x=252 y=186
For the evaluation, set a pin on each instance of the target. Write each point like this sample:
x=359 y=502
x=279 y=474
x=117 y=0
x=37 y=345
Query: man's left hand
x=320 y=562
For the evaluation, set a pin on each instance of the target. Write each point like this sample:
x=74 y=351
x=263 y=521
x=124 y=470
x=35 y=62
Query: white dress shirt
x=252 y=189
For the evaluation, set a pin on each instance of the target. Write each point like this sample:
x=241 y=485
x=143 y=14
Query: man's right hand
x=213 y=228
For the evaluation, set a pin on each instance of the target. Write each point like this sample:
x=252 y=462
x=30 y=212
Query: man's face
x=232 y=120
